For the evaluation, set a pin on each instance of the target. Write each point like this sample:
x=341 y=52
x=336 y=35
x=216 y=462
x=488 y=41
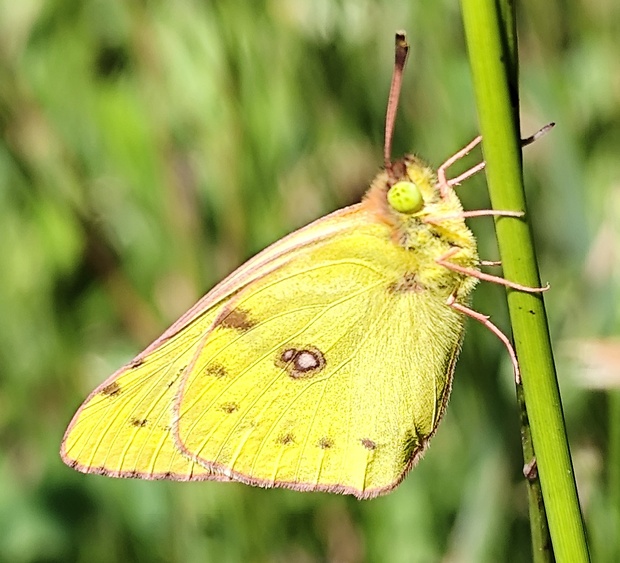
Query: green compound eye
x=405 y=197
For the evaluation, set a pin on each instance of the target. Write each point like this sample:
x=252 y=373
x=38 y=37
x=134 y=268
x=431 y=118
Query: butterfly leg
x=485 y=320
x=474 y=213
x=441 y=171
x=444 y=183
x=444 y=261
x=542 y=131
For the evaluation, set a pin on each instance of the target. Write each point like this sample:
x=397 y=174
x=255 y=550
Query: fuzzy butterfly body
x=323 y=363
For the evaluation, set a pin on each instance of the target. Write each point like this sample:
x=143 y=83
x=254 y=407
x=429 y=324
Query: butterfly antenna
x=401 y=51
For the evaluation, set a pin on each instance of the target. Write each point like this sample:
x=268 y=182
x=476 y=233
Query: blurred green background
x=149 y=147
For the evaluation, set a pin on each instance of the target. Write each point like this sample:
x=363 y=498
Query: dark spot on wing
x=407 y=284
x=73 y=464
x=236 y=319
x=411 y=444
x=216 y=370
x=369 y=444
x=326 y=443
x=229 y=407
x=178 y=374
x=139 y=422
x=286 y=439
x=301 y=362
x=136 y=363
x=111 y=390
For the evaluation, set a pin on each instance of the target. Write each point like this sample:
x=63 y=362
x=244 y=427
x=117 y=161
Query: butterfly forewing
x=123 y=429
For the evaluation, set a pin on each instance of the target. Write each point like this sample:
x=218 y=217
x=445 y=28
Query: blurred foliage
x=149 y=147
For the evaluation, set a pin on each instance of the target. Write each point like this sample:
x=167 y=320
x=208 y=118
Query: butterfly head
x=410 y=188
x=408 y=198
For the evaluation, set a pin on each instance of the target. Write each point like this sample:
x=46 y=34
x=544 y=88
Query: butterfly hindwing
x=338 y=391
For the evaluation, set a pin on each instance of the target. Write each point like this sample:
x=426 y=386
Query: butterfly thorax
x=430 y=232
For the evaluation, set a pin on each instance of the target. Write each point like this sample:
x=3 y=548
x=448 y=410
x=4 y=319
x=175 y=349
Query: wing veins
x=309 y=385
x=326 y=308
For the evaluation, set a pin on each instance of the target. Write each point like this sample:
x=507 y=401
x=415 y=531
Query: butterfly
x=324 y=363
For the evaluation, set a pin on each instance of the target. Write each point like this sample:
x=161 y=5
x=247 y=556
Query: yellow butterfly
x=324 y=363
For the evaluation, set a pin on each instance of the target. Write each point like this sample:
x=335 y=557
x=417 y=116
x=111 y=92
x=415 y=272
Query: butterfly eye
x=405 y=197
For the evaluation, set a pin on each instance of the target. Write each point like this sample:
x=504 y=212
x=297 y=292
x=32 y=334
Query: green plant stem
x=490 y=57
x=613 y=456
x=542 y=550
